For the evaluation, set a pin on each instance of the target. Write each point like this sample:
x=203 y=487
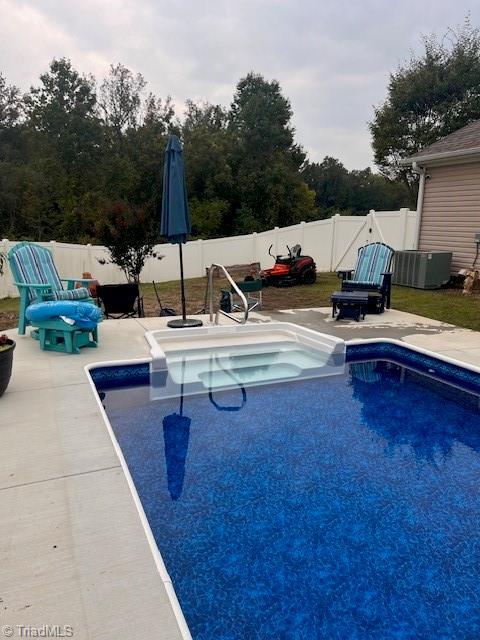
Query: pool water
x=341 y=507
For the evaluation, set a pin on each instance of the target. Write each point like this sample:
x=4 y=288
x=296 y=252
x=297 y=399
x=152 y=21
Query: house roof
x=463 y=142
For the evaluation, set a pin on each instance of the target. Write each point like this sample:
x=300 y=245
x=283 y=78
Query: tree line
x=78 y=158
x=81 y=160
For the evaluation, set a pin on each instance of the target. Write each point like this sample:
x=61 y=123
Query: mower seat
x=296 y=250
x=294 y=254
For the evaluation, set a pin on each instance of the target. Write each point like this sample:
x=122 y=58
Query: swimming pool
x=345 y=506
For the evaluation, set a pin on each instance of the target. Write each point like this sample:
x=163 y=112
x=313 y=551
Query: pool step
x=212 y=357
x=226 y=366
x=248 y=375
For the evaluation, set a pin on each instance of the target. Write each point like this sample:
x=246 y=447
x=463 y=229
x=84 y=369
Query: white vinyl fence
x=333 y=243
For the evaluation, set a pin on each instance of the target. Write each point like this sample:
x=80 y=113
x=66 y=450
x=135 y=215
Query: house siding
x=451 y=212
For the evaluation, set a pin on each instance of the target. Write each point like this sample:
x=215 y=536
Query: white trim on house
x=421 y=191
x=444 y=157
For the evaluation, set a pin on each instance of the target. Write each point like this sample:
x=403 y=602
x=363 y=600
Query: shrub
x=130 y=235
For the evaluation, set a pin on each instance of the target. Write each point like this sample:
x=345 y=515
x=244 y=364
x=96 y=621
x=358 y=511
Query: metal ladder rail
x=237 y=291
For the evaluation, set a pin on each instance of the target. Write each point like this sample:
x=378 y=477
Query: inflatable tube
x=85 y=314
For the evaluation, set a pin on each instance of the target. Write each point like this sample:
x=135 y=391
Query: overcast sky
x=331 y=57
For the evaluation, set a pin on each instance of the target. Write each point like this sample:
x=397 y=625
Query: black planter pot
x=6 y=359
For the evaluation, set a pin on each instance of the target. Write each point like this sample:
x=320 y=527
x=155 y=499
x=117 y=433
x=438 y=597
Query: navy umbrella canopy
x=175 y=221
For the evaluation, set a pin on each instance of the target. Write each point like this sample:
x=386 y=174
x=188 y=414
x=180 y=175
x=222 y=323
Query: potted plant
x=6 y=350
x=6 y=359
x=129 y=234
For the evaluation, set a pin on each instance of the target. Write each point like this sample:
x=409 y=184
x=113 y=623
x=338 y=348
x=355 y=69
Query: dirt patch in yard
x=316 y=295
x=8 y=320
x=446 y=305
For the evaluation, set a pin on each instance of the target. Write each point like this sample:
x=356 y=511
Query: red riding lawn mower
x=290 y=270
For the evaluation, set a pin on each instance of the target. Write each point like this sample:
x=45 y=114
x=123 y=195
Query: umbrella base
x=180 y=323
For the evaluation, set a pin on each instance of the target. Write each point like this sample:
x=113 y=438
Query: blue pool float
x=84 y=314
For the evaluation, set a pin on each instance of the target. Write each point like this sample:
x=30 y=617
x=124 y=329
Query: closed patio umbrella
x=175 y=221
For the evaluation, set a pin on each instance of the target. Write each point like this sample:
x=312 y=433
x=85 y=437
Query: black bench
x=349 y=304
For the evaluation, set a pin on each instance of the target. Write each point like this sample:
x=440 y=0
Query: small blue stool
x=57 y=335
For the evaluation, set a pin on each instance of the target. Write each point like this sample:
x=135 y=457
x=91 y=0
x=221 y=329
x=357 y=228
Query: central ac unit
x=422 y=269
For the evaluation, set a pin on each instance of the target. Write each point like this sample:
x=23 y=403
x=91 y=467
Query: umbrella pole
x=184 y=321
x=182 y=284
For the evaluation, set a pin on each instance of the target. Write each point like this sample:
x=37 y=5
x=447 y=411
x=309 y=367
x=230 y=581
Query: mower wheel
x=309 y=276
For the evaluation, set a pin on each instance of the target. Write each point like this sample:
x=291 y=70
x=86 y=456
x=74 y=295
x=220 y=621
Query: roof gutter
x=420 y=171
x=444 y=155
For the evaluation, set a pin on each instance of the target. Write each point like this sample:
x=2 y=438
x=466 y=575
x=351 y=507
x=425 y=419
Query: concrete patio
x=73 y=549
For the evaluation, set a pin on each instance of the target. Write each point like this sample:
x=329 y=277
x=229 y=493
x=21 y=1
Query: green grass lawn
x=8 y=304
x=446 y=305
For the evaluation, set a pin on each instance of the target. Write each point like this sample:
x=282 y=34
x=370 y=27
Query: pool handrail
x=237 y=290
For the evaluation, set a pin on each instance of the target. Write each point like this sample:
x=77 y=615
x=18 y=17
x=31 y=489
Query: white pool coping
x=426 y=352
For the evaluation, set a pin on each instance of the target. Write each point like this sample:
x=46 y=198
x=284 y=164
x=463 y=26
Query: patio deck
x=73 y=549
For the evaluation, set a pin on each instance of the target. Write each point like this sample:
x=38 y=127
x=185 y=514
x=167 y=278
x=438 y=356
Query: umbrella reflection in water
x=176 y=431
x=176 y=434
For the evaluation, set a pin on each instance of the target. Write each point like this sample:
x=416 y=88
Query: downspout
x=421 y=190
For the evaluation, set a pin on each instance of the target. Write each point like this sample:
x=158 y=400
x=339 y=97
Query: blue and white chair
x=37 y=279
x=372 y=272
